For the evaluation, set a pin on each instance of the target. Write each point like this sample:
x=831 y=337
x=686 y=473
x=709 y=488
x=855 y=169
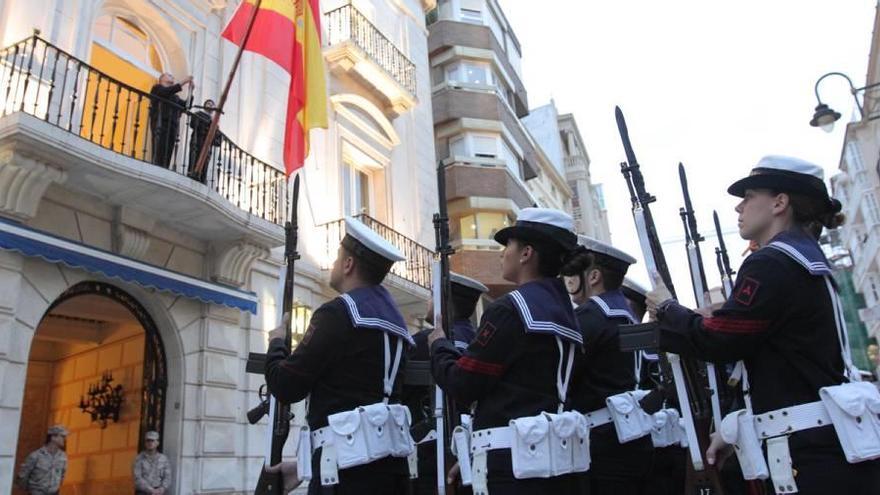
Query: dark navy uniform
x=616 y=468
x=780 y=321
x=341 y=366
x=511 y=372
x=418 y=399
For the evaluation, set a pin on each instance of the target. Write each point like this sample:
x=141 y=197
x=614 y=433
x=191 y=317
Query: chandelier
x=104 y=400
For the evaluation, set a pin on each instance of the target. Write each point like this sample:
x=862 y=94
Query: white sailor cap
x=365 y=243
x=467 y=282
x=608 y=251
x=545 y=224
x=632 y=290
x=784 y=174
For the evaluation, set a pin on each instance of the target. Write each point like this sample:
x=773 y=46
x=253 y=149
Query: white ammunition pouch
x=738 y=429
x=569 y=443
x=854 y=409
x=540 y=446
x=530 y=447
x=366 y=433
x=630 y=421
x=665 y=430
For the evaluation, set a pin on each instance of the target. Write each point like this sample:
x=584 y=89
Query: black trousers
x=164 y=137
x=619 y=469
x=388 y=476
x=822 y=469
x=668 y=472
x=569 y=484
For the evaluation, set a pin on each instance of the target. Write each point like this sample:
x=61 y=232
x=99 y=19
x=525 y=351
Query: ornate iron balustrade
x=416 y=268
x=347 y=24
x=42 y=80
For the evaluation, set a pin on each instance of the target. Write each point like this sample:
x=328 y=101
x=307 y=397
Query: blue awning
x=30 y=242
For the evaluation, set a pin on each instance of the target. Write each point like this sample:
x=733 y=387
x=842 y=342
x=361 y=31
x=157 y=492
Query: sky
x=714 y=85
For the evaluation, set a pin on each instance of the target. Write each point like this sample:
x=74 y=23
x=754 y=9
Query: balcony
x=356 y=47
x=60 y=115
x=447 y=34
x=467 y=180
x=410 y=280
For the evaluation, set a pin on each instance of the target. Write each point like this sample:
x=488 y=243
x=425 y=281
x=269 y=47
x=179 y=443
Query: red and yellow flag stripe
x=288 y=32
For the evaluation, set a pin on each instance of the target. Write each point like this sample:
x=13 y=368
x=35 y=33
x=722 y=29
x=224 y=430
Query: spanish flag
x=288 y=32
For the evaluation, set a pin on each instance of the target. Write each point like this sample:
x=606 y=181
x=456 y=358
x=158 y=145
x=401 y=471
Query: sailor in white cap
x=635 y=294
x=348 y=363
x=519 y=365
x=42 y=471
x=784 y=321
x=465 y=294
x=594 y=280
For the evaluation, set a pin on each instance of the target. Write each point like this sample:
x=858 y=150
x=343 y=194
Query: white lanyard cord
x=388 y=378
x=842 y=337
x=563 y=381
x=637 y=367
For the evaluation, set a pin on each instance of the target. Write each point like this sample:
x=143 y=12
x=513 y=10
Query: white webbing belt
x=788 y=420
x=598 y=417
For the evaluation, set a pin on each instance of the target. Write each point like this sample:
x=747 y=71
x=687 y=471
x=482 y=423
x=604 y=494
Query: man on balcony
x=199 y=123
x=165 y=110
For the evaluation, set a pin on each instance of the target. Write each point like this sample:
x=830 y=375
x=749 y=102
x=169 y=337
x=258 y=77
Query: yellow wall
x=99 y=460
x=100 y=106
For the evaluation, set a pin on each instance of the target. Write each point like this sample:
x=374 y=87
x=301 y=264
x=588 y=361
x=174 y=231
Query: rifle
x=702 y=479
x=698 y=280
x=722 y=260
x=279 y=413
x=444 y=406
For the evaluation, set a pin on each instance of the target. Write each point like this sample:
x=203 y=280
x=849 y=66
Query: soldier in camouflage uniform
x=152 y=471
x=43 y=469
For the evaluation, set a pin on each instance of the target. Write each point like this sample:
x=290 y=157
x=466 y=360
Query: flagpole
x=215 y=120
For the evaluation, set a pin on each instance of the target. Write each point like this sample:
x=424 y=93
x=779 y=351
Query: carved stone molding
x=131 y=233
x=129 y=241
x=23 y=181
x=232 y=262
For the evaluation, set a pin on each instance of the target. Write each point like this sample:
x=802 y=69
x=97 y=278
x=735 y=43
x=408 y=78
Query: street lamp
x=824 y=117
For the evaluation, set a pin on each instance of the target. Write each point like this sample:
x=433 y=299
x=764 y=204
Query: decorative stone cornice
x=232 y=262
x=23 y=181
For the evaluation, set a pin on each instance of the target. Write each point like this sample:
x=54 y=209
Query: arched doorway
x=93 y=330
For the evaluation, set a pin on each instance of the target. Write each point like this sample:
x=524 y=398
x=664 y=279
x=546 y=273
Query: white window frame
x=453 y=73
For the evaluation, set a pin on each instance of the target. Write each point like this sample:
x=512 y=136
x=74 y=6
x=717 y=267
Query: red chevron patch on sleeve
x=745 y=295
x=487 y=331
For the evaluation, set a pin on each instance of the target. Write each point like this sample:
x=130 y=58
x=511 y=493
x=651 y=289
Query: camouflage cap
x=58 y=430
x=151 y=435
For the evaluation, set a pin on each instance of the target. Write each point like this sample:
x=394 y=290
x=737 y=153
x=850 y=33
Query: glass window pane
x=457 y=146
x=346 y=190
x=488 y=223
x=468 y=227
x=475 y=73
x=363 y=192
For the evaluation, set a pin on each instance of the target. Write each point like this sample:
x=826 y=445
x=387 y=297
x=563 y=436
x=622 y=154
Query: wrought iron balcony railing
x=347 y=24
x=416 y=268
x=42 y=80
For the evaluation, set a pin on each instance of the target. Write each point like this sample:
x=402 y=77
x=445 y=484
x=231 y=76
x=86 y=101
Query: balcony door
x=114 y=116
